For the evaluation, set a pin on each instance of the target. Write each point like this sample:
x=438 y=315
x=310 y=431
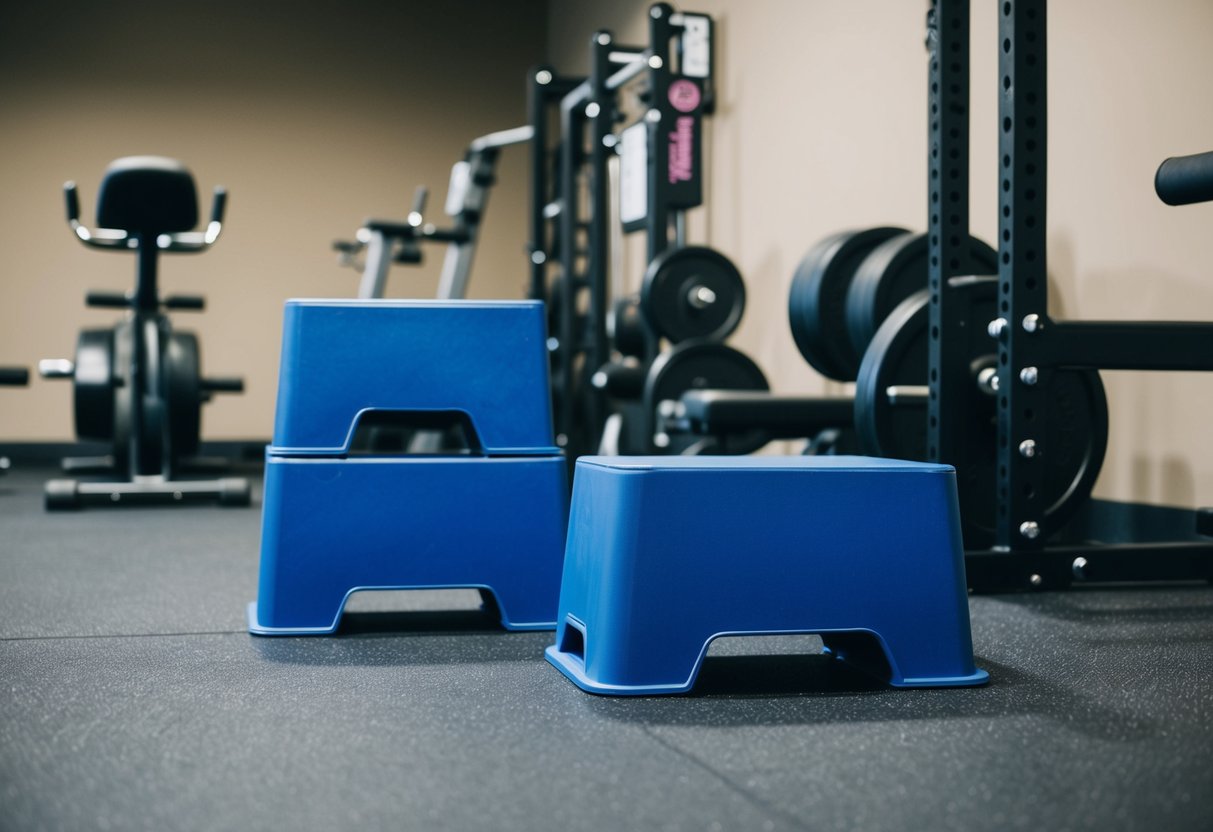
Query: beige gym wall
x=821 y=126
x=314 y=116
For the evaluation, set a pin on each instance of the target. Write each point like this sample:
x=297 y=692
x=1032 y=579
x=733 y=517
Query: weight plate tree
x=692 y=292
x=891 y=411
x=817 y=299
x=893 y=271
x=698 y=365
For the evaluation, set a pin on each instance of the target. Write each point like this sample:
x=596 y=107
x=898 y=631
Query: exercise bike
x=138 y=385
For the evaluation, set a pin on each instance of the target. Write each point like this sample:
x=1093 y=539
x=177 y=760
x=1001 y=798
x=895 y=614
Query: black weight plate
x=893 y=271
x=93 y=385
x=630 y=333
x=671 y=285
x=183 y=393
x=897 y=357
x=818 y=297
x=701 y=365
x=1072 y=434
x=123 y=396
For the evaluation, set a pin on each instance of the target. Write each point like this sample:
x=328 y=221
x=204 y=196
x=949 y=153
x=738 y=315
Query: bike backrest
x=147 y=195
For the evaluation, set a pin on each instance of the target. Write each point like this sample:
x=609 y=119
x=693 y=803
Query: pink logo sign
x=682 y=150
x=684 y=95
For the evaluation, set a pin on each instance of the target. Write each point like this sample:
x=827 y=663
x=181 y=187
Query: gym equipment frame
x=1030 y=345
x=389 y=241
x=661 y=171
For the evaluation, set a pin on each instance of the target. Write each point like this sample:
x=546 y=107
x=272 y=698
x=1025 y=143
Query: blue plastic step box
x=665 y=554
x=335 y=521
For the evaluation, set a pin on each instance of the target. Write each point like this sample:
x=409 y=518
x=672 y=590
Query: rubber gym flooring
x=131 y=697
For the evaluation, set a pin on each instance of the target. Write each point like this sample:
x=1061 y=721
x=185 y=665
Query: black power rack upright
x=578 y=205
x=1026 y=550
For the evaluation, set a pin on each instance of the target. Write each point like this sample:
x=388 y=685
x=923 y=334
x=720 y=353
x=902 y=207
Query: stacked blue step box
x=337 y=519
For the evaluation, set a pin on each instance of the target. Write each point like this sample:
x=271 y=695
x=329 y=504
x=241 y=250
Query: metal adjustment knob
x=987 y=380
x=997 y=327
x=1029 y=375
x=701 y=297
x=1027 y=448
x=1030 y=529
x=56 y=368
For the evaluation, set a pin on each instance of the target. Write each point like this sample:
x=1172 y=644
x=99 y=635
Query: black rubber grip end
x=14 y=376
x=1184 y=180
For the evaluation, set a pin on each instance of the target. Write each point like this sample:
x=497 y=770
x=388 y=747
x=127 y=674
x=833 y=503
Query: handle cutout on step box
x=415 y=433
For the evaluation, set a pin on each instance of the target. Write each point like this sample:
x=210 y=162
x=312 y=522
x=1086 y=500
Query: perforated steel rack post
x=666 y=125
x=658 y=212
x=948 y=226
x=1031 y=345
x=544 y=89
x=600 y=120
x=668 y=195
x=568 y=337
x=587 y=115
x=538 y=249
x=665 y=194
x=1022 y=269
x=547 y=245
